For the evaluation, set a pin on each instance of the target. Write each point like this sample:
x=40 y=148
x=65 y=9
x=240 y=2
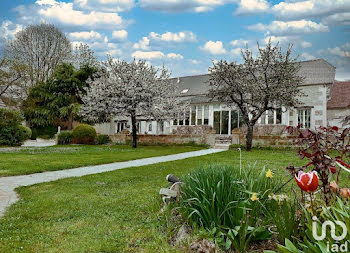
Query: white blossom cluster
x=133 y=89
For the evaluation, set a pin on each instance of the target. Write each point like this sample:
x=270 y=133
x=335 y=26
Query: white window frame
x=303 y=123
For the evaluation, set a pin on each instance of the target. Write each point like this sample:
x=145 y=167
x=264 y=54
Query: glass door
x=221 y=122
x=217 y=121
x=224 y=122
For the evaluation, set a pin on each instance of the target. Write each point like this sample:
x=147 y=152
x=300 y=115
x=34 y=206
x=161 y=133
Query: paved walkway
x=39 y=143
x=8 y=195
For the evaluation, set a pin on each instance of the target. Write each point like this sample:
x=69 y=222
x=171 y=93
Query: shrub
x=64 y=137
x=46 y=132
x=12 y=133
x=10 y=117
x=102 y=139
x=84 y=134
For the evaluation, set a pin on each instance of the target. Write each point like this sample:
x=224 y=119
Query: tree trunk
x=249 y=137
x=70 y=122
x=134 y=130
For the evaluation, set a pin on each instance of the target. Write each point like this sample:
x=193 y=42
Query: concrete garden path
x=8 y=196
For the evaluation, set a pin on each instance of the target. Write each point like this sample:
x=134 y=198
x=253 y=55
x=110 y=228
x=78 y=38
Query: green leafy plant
x=338 y=211
x=84 y=134
x=12 y=133
x=46 y=132
x=228 y=201
x=283 y=213
x=64 y=137
x=102 y=139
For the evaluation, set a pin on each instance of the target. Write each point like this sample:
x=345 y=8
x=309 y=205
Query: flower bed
x=241 y=210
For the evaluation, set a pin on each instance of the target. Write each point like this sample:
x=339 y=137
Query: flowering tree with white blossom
x=131 y=89
x=268 y=81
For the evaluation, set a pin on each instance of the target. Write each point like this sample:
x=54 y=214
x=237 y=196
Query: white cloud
x=346 y=46
x=239 y=42
x=293 y=9
x=290 y=27
x=102 y=48
x=142 y=44
x=286 y=40
x=46 y=2
x=120 y=35
x=196 y=62
x=114 y=52
x=184 y=36
x=214 y=47
x=154 y=55
x=236 y=51
x=175 y=56
x=106 y=5
x=252 y=6
x=338 y=18
x=305 y=44
x=182 y=5
x=307 y=56
x=156 y=39
x=65 y=14
x=148 y=55
x=203 y=9
x=85 y=35
x=310 y=8
x=8 y=30
x=339 y=52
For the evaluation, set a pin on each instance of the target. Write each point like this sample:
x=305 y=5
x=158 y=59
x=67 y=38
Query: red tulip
x=308 y=182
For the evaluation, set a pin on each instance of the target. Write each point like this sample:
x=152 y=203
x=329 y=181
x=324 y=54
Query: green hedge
x=12 y=133
x=64 y=137
x=84 y=134
x=47 y=132
x=102 y=139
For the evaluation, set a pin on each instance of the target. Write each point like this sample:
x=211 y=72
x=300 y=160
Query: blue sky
x=187 y=35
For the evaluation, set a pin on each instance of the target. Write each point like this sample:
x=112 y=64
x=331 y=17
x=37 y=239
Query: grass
x=110 y=212
x=20 y=161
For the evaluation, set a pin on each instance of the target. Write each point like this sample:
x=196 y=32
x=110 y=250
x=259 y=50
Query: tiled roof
x=340 y=95
x=315 y=72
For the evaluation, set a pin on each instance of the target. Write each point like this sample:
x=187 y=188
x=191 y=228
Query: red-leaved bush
x=327 y=150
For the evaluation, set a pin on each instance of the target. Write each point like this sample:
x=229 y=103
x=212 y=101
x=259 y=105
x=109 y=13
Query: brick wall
x=165 y=139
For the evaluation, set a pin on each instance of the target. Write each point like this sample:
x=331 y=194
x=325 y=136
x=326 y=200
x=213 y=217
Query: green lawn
x=19 y=161
x=110 y=212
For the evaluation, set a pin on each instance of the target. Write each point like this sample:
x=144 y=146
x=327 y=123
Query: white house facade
x=312 y=112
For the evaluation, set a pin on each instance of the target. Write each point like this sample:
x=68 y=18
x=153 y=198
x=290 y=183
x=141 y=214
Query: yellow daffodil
x=269 y=174
x=254 y=197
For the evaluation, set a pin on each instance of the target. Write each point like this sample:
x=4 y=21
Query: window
x=193 y=115
x=175 y=122
x=304 y=117
x=234 y=120
x=150 y=127
x=279 y=116
x=187 y=118
x=138 y=127
x=240 y=119
x=199 y=115
x=270 y=117
x=263 y=119
x=206 y=115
